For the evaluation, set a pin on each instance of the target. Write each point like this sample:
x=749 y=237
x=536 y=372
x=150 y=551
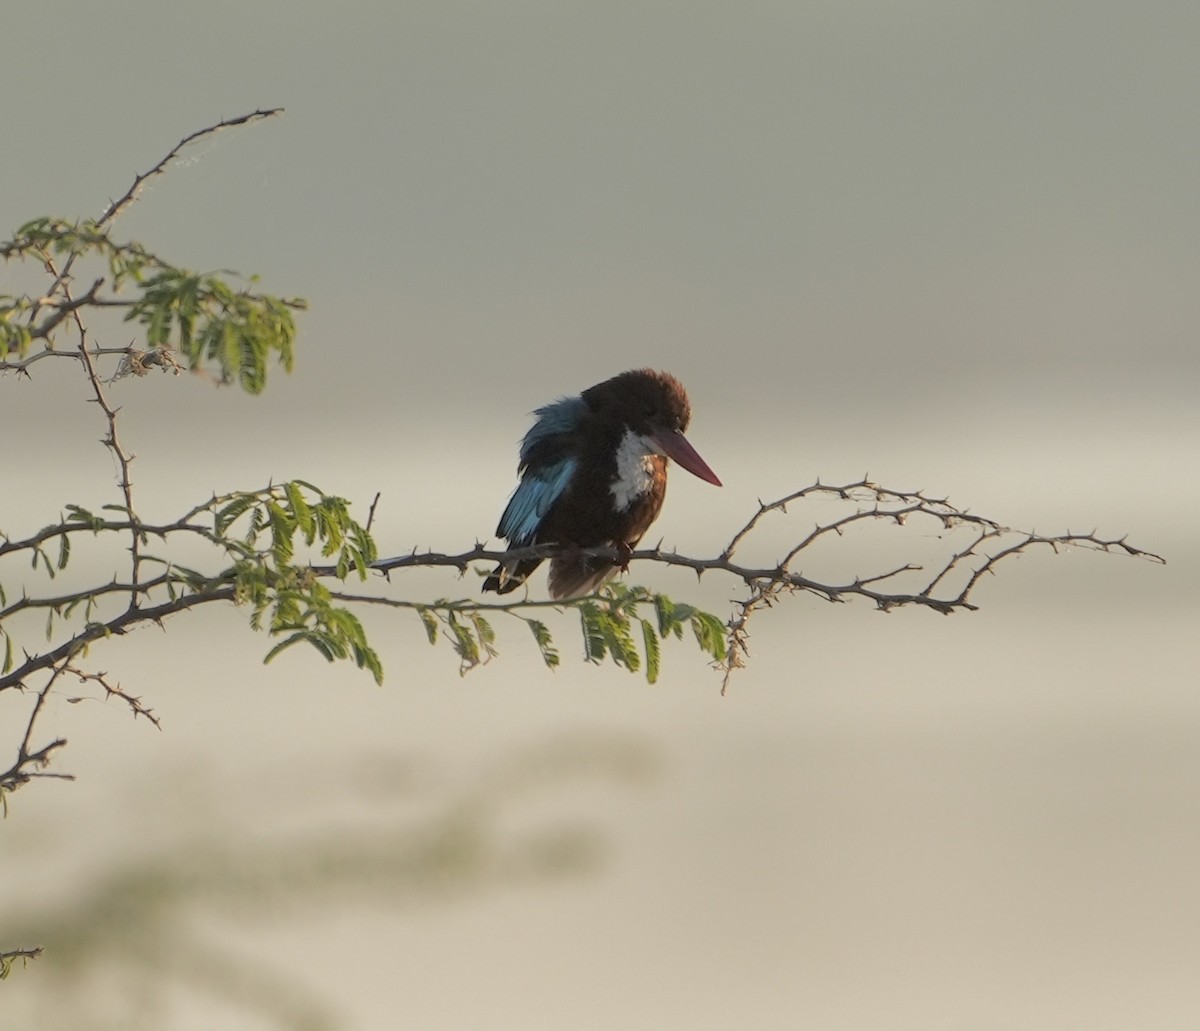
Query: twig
x=22 y=771
x=10 y=956
x=113 y=691
x=116 y=207
x=371 y=512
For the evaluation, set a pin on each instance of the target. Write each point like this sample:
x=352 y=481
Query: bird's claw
x=624 y=554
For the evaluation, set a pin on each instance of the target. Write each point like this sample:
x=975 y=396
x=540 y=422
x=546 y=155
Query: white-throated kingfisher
x=594 y=474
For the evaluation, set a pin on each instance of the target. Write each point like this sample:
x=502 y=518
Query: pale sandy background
x=953 y=245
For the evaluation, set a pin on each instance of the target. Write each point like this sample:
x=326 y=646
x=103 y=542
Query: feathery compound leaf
x=710 y=634
x=595 y=645
x=331 y=519
x=485 y=634
x=429 y=621
x=80 y=515
x=227 y=516
x=347 y=625
x=464 y=643
x=683 y=612
x=301 y=512
x=671 y=617
x=236 y=329
x=319 y=641
x=365 y=543
x=653 y=651
x=619 y=638
x=285 y=644
x=367 y=658
x=664 y=609
x=541 y=634
x=282 y=528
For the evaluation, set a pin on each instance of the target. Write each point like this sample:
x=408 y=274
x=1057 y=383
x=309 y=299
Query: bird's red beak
x=675 y=446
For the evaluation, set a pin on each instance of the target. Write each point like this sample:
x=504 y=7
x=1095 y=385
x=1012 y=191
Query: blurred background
x=954 y=246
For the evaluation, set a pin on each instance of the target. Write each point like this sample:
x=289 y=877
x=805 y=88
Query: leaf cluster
x=622 y=623
x=613 y=623
x=212 y=320
x=466 y=628
x=286 y=598
x=264 y=539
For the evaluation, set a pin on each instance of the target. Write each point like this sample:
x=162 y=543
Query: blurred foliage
x=149 y=930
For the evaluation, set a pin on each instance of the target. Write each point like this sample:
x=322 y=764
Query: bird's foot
x=624 y=554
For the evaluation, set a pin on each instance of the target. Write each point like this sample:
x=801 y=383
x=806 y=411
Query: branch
x=7 y=959
x=946 y=587
x=116 y=207
x=112 y=690
x=30 y=764
x=121 y=624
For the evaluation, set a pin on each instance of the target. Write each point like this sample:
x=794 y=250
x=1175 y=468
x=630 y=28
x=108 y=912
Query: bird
x=593 y=471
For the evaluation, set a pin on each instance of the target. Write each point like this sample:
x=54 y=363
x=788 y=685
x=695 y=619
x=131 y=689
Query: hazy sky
x=951 y=244
x=972 y=225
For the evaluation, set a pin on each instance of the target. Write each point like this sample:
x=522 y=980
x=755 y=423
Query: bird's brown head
x=654 y=405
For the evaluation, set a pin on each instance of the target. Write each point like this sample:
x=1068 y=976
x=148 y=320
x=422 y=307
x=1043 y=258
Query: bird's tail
x=506 y=578
x=571 y=576
x=576 y=576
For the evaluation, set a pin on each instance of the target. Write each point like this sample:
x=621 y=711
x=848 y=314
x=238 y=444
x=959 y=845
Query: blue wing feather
x=550 y=441
x=532 y=500
x=554 y=420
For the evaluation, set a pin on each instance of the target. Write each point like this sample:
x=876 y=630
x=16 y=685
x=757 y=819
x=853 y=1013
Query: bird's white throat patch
x=635 y=470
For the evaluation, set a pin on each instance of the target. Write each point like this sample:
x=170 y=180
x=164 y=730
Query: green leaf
x=366 y=658
x=485 y=634
x=295 y=638
x=653 y=651
x=282 y=528
x=231 y=352
x=301 y=512
x=619 y=639
x=710 y=634
x=669 y=621
x=429 y=621
x=8 y=654
x=78 y=514
x=347 y=624
x=464 y=643
x=228 y=515
x=683 y=612
x=64 y=551
x=545 y=644
x=595 y=645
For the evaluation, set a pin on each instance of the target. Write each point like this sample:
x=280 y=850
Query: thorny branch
x=11 y=956
x=978 y=544
x=115 y=208
x=974 y=546
x=254 y=533
x=30 y=764
x=63 y=306
x=284 y=552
